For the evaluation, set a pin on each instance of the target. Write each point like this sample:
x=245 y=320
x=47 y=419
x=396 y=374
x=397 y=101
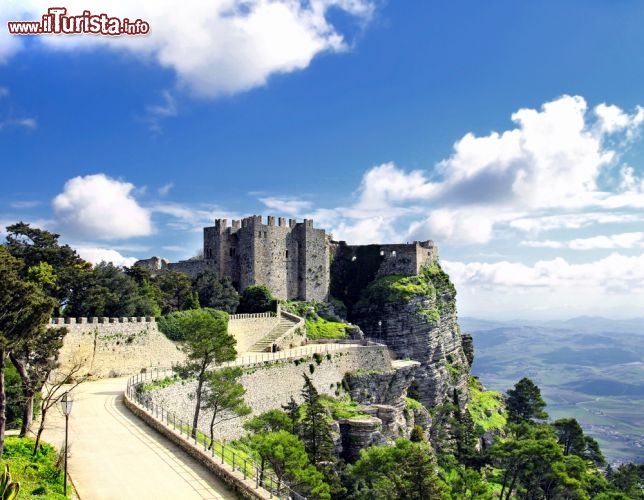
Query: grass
x=396 y=288
x=320 y=328
x=39 y=476
x=342 y=408
x=483 y=402
x=412 y=404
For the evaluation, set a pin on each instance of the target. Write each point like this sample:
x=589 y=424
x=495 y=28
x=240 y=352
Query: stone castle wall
x=111 y=347
x=291 y=258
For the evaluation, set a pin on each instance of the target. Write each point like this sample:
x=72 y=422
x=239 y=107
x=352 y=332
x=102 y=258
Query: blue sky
x=508 y=132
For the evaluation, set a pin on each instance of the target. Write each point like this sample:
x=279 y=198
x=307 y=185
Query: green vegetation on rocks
x=431 y=285
x=485 y=407
x=320 y=322
x=342 y=407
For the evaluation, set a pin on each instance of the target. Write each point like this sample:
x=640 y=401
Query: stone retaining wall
x=270 y=384
x=250 y=328
x=112 y=347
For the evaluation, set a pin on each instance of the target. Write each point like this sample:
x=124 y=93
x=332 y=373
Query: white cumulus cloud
x=613 y=285
x=102 y=208
x=96 y=255
x=215 y=47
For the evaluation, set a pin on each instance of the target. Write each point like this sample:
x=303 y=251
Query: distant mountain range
x=583 y=323
x=589 y=368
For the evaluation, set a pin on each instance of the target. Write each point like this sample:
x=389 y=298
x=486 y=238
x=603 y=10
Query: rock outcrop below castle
x=415 y=317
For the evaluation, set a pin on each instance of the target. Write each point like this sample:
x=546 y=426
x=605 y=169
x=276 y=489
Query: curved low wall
x=241 y=477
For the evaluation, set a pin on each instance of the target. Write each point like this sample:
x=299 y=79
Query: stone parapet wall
x=96 y=320
x=110 y=347
x=244 y=486
x=250 y=328
x=120 y=346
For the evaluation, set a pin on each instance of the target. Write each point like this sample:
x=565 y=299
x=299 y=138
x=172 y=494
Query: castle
x=292 y=258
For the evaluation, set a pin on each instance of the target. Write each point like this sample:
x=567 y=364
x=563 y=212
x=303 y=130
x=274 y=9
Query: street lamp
x=66 y=404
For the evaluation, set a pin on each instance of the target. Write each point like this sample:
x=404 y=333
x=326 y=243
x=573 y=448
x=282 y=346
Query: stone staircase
x=266 y=343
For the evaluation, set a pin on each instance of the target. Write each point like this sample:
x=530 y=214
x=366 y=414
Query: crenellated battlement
x=99 y=320
x=221 y=225
x=292 y=258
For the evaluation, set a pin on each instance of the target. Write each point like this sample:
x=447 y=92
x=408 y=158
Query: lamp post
x=66 y=404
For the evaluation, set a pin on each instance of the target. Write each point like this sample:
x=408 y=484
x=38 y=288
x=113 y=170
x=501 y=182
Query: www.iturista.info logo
x=57 y=22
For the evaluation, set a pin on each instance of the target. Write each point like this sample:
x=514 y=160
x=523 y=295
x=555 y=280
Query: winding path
x=115 y=456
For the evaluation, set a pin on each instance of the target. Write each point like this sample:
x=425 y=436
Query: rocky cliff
x=416 y=317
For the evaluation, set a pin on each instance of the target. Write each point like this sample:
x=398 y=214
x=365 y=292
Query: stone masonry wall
x=271 y=385
x=250 y=328
x=290 y=257
x=115 y=346
x=111 y=347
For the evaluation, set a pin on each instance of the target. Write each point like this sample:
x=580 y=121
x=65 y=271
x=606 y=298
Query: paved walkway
x=115 y=456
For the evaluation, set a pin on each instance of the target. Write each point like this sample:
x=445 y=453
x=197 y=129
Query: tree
x=315 y=429
x=36 y=246
x=292 y=409
x=224 y=397
x=270 y=421
x=571 y=437
x=34 y=359
x=405 y=470
x=106 y=290
x=256 y=299
x=215 y=293
x=206 y=343
x=176 y=292
x=24 y=310
x=629 y=479
x=287 y=457
x=60 y=382
x=524 y=402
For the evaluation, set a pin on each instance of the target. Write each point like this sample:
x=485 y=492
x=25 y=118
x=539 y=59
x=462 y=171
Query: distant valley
x=588 y=368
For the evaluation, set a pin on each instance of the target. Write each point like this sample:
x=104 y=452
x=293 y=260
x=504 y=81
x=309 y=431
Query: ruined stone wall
x=406 y=259
x=190 y=267
x=111 y=347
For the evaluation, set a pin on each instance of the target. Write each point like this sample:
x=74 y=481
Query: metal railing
x=219 y=453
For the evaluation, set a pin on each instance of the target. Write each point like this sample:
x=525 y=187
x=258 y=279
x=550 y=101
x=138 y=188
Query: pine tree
x=525 y=403
x=293 y=411
x=315 y=429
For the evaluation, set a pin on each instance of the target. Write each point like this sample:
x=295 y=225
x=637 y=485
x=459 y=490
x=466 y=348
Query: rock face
x=416 y=317
x=358 y=434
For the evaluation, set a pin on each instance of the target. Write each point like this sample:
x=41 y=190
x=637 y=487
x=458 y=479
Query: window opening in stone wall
x=382 y=253
x=393 y=254
x=287 y=254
